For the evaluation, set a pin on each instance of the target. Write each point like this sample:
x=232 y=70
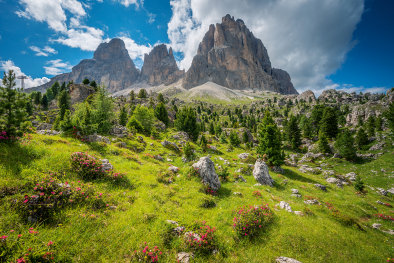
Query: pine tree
x=102 y=111
x=44 y=102
x=142 y=94
x=198 y=109
x=160 y=98
x=145 y=116
x=270 y=142
x=151 y=102
x=55 y=88
x=29 y=108
x=203 y=141
x=123 y=116
x=322 y=144
x=161 y=113
x=66 y=124
x=86 y=81
x=361 y=138
x=186 y=120
x=211 y=128
x=63 y=87
x=293 y=133
x=233 y=138
x=202 y=126
x=64 y=100
x=133 y=123
x=218 y=129
x=371 y=126
x=329 y=123
x=93 y=84
x=345 y=145
x=12 y=106
x=378 y=123
x=50 y=95
x=307 y=132
x=390 y=117
x=37 y=98
x=132 y=95
x=317 y=115
x=223 y=138
x=86 y=122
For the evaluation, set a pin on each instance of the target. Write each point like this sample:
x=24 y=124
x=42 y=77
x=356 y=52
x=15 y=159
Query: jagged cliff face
x=230 y=55
x=160 y=67
x=111 y=65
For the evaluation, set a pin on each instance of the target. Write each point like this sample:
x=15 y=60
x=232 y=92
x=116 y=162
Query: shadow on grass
x=223 y=192
x=102 y=148
x=295 y=176
x=14 y=157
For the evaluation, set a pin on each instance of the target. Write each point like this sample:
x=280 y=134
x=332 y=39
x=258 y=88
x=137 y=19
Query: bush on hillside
x=250 y=220
x=202 y=238
x=88 y=167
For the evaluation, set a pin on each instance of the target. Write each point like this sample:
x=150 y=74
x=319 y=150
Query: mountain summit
x=231 y=56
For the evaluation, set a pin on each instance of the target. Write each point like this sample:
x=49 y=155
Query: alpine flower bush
x=201 y=238
x=145 y=254
x=87 y=166
x=249 y=220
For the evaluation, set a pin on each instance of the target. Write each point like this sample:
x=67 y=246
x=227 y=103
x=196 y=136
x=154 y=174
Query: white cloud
x=135 y=50
x=349 y=88
x=29 y=82
x=57 y=67
x=85 y=38
x=51 y=11
x=43 y=52
x=126 y=3
x=307 y=38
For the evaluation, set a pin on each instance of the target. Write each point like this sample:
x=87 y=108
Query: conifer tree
x=132 y=95
x=55 y=88
x=50 y=95
x=361 y=138
x=66 y=124
x=123 y=116
x=345 y=145
x=161 y=113
x=63 y=87
x=270 y=142
x=322 y=144
x=29 y=108
x=371 y=126
x=44 y=102
x=186 y=120
x=378 y=123
x=145 y=116
x=317 y=114
x=211 y=128
x=293 y=133
x=245 y=137
x=223 y=138
x=202 y=126
x=198 y=109
x=390 y=117
x=151 y=102
x=203 y=141
x=86 y=122
x=359 y=184
x=233 y=138
x=37 y=98
x=142 y=94
x=64 y=100
x=102 y=110
x=134 y=124
x=329 y=123
x=93 y=84
x=307 y=132
x=218 y=129
x=86 y=81
x=160 y=98
x=12 y=106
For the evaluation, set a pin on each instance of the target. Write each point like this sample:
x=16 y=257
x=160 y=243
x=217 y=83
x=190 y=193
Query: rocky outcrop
x=79 y=92
x=111 y=65
x=261 y=174
x=206 y=169
x=231 y=56
x=160 y=67
x=306 y=95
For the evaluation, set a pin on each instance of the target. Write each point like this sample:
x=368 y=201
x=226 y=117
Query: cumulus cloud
x=85 y=37
x=126 y=3
x=51 y=11
x=46 y=51
x=307 y=38
x=57 y=67
x=29 y=82
x=349 y=88
x=135 y=50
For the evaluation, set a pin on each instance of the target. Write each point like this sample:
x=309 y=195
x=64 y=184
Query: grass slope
x=82 y=234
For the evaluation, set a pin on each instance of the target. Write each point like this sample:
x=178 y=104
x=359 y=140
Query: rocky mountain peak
x=231 y=56
x=114 y=49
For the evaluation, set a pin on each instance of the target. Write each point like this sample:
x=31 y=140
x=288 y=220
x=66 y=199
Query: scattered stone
x=106 y=165
x=257 y=185
x=296 y=195
x=377 y=147
x=383 y=170
x=286 y=260
x=169 y=160
x=321 y=187
x=285 y=181
x=337 y=155
x=391 y=190
x=376 y=226
x=351 y=176
x=159 y=158
x=381 y=191
x=261 y=174
x=295 y=191
x=238 y=193
x=97 y=138
x=206 y=169
x=311 y=202
x=243 y=156
x=380 y=202
x=328 y=172
x=184 y=159
x=285 y=206
x=184 y=257
x=112 y=207
x=240 y=177
x=48 y=132
x=172 y=222
x=173 y=169
x=168 y=144
x=278 y=170
x=332 y=180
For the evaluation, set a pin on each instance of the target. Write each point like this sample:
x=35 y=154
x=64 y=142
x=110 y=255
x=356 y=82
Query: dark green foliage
x=211 y=128
x=345 y=145
x=245 y=137
x=233 y=138
x=329 y=123
x=317 y=115
x=359 y=121
x=93 y=84
x=86 y=81
x=102 y=111
x=132 y=95
x=145 y=116
x=160 y=98
x=44 y=102
x=361 y=138
x=55 y=88
x=64 y=100
x=371 y=126
x=203 y=141
x=293 y=133
x=29 y=108
x=37 y=98
x=63 y=87
x=186 y=120
x=390 y=117
x=359 y=184
x=270 y=142
x=323 y=143
x=12 y=106
x=198 y=109
x=307 y=132
x=378 y=123
x=218 y=129
x=50 y=95
x=223 y=138
x=142 y=94
x=161 y=113
x=175 y=108
x=66 y=124
x=135 y=124
x=188 y=151
x=123 y=116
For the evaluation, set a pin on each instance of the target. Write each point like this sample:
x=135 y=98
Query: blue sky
x=322 y=44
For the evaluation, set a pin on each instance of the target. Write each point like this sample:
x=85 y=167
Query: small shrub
x=248 y=221
x=257 y=194
x=224 y=175
x=165 y=177
x=144 y=254
x=192 y=172
x=87 y=166
x=202 y=238
x=342 y=218
x=306 y=211
x=359 y=184
x=384 y=217
x=206 y=189
x=207 y=202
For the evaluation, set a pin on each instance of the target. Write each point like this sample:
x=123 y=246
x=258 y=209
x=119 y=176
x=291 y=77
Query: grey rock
x=243 y=156
x=336 y=155
x=321 y=187
x=240 y=177
x=278 y=170
x=44 y=126
x=97 y=138
x=106 y=165
x=296 y=195
x=332 y=180
x=184 y=257
x=377 y=147
x=391 y=190
x=172 y=222
x=159 y=158
x=168 y=144
x=48 y=132
x=294 y=191
x=286 y=260
x=311 y=202
x=173 y=169
x=261 y=173
x=376 y=226
x=352 y=176
x=285 y=206
x=381 y=191
x=206 y=169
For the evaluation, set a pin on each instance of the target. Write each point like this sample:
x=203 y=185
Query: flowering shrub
x=144 y=254
x=4 y=137
x=257 y=194
x=224 y=175
x=87 y=166
x=390 y=260
x=306 y=211
x=48 y=196
x=165 y=177
x=384 y=217
x=206 y=189
x=342 y=218
x=192 y=172
x=249 y=220
x=10 y=247
x=201 y=238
